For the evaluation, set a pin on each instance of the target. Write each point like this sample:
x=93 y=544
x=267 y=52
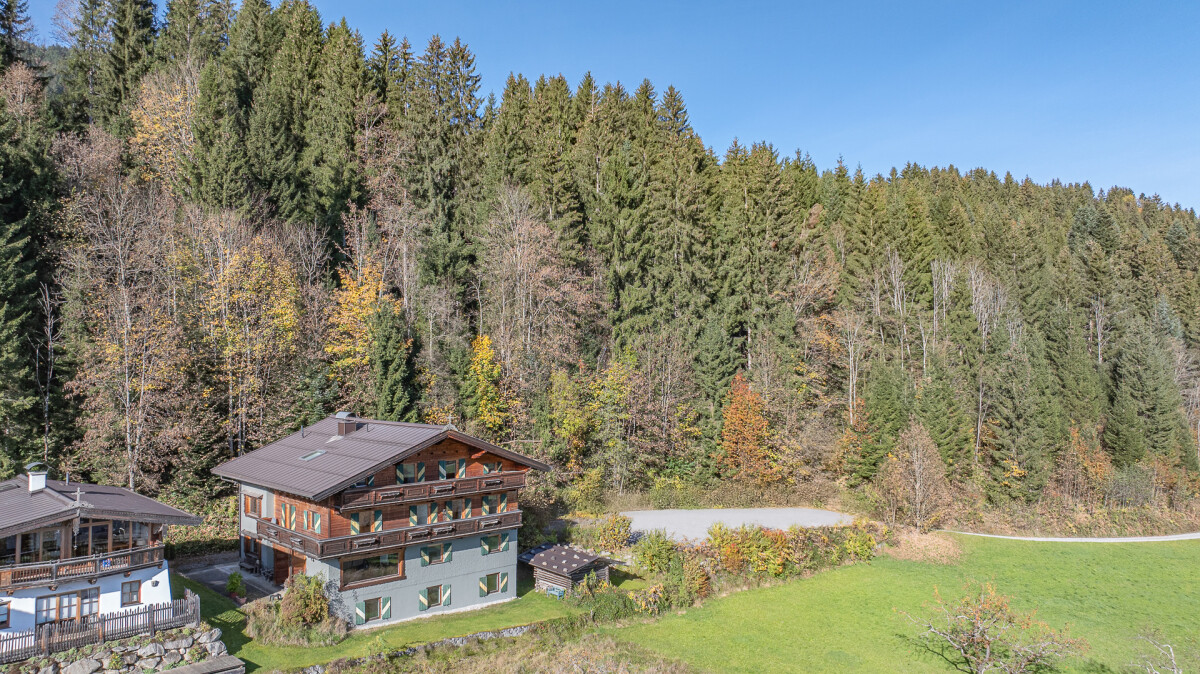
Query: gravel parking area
x=694 y=524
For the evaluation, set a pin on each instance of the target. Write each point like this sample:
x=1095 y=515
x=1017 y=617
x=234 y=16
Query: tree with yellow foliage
x=489 y=400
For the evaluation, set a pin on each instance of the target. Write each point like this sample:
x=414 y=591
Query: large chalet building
x=399 y=519
x=73 y=552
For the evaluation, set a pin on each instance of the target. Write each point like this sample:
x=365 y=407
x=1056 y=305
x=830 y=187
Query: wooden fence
x=57 y=637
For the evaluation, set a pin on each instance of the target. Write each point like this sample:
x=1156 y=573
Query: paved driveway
x=215 y=575
x=694 y=524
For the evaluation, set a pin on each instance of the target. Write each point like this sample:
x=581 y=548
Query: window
x=408 y=473
x=490 y=584
x=418 y=515
x=100 y=539
x=89 y=602
x=491 y=504
x=490 y=544
x=436 y=554
x=51 y=545
x=29 y=547
x=362 y=569
x=46 y=610
x=454 y=509
x=68 y=606
x=3 y=614
x=365 y=483
x=253 y=506
x=250 y=546
x=491 y=467
x=8 y=550
x=82 y=540
x=120 y=535
x=434 y=595
x=131 y=593
x=141 y=534
x=312 y=455
x=371 y=609
x=452 y=468
x=287 y=516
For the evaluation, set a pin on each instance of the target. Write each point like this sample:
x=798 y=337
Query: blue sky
x=1106 y=92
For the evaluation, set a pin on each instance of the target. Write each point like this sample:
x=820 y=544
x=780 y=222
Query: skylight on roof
x=312 y=455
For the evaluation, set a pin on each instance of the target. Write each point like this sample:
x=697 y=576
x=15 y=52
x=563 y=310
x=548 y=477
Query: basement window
x=312 y=455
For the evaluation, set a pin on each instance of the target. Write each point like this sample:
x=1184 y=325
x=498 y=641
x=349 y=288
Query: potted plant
x=235 y=587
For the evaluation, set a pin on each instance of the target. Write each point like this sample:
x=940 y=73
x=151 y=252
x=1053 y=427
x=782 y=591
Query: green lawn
x=221 y=612
x=844 y=620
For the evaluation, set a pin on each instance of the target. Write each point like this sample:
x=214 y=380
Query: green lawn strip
x=220 y=611
x=843 y=620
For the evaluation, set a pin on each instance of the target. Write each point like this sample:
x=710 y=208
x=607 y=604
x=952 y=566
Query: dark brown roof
x=562 y=559
x=21 y=510
x=344 y=460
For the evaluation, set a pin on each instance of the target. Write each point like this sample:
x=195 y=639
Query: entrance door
x=287 y=563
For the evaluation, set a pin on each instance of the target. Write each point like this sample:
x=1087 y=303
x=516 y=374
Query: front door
x=287 y=563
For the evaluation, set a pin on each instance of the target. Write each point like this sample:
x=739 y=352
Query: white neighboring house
x=72 y=551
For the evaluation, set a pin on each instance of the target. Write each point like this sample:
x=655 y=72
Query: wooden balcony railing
x=438 y=489
x=366 y=542
x=43 y=573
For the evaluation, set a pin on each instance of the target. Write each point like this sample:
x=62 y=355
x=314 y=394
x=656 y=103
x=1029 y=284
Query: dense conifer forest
x=220 y=223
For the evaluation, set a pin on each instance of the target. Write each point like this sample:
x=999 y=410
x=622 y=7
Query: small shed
x=563 y=566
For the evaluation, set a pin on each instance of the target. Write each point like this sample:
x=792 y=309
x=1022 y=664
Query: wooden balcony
x=376 y=540
x=49 y=573
x=355 y=499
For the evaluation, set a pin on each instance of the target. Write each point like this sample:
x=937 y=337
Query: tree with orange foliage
x=746 y=433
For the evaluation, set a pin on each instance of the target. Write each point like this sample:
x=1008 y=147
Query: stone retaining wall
x=166 y=650
x=413 y=650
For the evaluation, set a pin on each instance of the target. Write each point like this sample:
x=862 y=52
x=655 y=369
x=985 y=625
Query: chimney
x=37 y=477
x=346 y=423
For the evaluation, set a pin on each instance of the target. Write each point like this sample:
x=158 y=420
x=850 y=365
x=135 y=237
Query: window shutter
x=423 y=603
x=504 y=502
x=425 y=557
x=462 y=468
x=292 y=517
x=504 y=542
x=377 y=525
x=445 y=595
x=420 y=471
x=441 y=470
x=467 y=508
x=385 y=608
x=360 y=613
x=354 y=526
x=504 y=582
x=483 y=586
x=447 y=551
x=399 y=474
x=486 y=509
x=317 y=521
x=484 y=548
x=371 y=481
x=412 y=515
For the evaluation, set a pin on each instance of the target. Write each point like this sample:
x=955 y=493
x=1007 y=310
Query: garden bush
x=654 y=551
x=235 y=584
x=613 y=532
x=301 y=618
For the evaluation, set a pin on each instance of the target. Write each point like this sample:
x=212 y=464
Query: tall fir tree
x=130 y=55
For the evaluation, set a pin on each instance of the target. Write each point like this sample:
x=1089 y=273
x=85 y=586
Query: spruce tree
x=329 y=160
x=394 y=367
x=89 y=35
x=194 y=31
x=130 y=55
x=15 y=29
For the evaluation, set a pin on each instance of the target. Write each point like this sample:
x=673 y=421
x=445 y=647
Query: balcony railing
x=423 y=491
x=368 y=541
x=44 y=573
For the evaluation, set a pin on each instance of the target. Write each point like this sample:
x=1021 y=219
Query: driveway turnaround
x=694 y=524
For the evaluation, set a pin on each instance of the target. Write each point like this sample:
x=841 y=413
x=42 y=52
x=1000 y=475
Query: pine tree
x=1124 y=432
x=130 y=55
x=1028 y=422
x=15 y=30
x=888 y=403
